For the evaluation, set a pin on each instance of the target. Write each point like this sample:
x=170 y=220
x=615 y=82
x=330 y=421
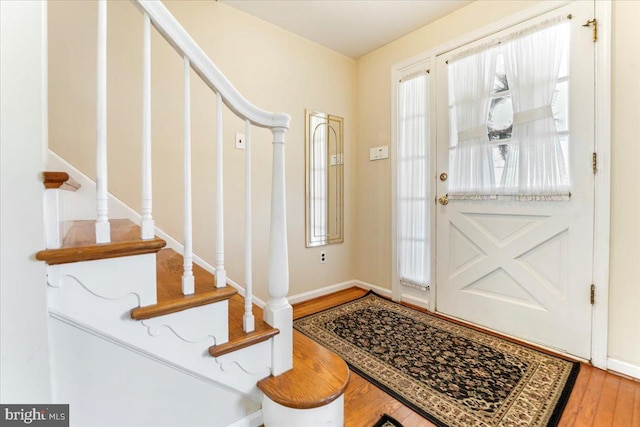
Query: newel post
x=278 y=312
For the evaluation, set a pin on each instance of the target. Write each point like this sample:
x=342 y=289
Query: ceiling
x=351 y=27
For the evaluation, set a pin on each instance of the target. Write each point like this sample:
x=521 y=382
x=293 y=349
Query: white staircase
x=114 y=286
x=98 y=289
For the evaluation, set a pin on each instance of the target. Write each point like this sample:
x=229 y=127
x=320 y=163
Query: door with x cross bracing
x=516 y=264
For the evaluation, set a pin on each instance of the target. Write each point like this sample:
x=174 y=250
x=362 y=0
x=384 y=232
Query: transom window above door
x=508 y=116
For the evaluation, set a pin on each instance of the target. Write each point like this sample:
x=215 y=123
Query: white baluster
x=103 y=230
x=188 y=285
x=221 y=274
x=248 y=322
x=278 y=312
x=147 y=226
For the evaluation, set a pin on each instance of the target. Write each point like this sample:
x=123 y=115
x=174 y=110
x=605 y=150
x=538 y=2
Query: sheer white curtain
x=412 y=194
x=535 y=168
x=471 y=169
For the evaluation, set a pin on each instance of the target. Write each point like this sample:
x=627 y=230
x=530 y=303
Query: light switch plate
x=240 y=143
x=379 y=153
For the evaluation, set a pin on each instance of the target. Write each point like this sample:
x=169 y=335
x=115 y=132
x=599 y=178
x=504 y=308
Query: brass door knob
x=444 y=200
x=443 y=176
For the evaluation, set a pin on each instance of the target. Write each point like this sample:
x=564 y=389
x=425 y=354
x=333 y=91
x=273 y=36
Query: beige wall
x=373 y=205
x=272 y=68
x=624 y=295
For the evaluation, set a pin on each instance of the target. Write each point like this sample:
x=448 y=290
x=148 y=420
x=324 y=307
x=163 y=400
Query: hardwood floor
x=598 y=398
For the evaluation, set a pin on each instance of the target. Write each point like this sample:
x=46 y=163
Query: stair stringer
x=238 y=371
x=164 y=338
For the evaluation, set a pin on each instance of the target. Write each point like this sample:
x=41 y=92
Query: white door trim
x=602 y=224
x=603 y=12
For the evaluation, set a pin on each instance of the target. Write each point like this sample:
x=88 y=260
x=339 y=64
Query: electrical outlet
x=323 y=257
x=240 y=143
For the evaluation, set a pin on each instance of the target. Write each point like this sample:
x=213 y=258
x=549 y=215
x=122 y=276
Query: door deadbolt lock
x=443 y=176
x=444 y=200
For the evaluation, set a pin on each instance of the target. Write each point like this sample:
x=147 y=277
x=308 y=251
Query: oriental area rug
x=452 y=375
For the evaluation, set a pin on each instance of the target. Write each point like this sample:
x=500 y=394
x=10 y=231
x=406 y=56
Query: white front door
x=524 y=268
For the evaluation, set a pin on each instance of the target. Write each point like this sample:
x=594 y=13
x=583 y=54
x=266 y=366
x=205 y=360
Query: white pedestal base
x=276 y=415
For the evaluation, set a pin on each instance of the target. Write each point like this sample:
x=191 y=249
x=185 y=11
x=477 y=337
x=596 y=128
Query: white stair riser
x=53 y=227
x=111 y=278
x=195 y=325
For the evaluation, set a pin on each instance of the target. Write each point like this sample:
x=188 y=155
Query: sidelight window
x=413 y=222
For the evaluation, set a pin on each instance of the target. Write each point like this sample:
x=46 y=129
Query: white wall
x=108 y=385
x=624 y=294
x=24 y=369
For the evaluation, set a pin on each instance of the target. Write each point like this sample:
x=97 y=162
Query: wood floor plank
x=365 y=401
x=405 y=415
x=589 y=403
x=636 y=409
x=415 y=420
x=623 y=412
x=322 y=303
x=579 y=389
x=607 y=404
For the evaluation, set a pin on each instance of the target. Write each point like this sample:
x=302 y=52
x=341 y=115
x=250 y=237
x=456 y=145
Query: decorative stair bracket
x=182 y=324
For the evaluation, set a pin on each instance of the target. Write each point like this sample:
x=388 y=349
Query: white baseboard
x=410 y=299
x=377 y=289
x=305 y=296
x=251 y=420
x=623 y=368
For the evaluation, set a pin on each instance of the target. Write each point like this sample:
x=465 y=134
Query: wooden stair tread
x=169 y=268
x=238 y=339
x=60 y=180
x=80 y=243
x=319 y=376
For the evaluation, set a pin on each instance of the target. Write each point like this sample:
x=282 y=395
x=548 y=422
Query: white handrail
x=103 y=229
x=147 y=226
x=183 y=43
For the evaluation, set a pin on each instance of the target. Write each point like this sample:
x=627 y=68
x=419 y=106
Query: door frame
x=602 y=124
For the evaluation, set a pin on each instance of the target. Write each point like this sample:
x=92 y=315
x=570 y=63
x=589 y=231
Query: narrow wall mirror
x=324 y=178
